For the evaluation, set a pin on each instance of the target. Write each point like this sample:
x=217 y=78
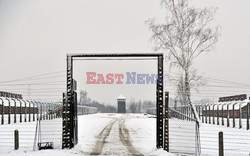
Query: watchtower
x=121 y=104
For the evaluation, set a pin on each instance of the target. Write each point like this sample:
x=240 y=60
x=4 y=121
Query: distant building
x=121 y=102
x=10 y=95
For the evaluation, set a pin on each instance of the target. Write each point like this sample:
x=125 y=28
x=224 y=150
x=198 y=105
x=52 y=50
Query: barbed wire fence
x=184 y=134
x=37 y=122
x=229 y=117
x=22 y=115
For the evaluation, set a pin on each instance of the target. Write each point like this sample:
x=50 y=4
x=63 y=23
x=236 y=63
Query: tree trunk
x=188 y=94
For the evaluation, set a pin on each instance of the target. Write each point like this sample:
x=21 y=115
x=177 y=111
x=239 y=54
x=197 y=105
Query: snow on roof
x=121 y=97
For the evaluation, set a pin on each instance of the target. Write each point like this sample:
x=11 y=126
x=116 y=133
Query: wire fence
x=22 y=115
x=232 y=118
x=183 y=131
x=18 y=110
x=47 y=126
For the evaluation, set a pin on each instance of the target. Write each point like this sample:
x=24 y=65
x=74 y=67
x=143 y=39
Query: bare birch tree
x=186 y=33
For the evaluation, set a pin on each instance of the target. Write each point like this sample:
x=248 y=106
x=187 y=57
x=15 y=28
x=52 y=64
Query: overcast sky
x=36 y=35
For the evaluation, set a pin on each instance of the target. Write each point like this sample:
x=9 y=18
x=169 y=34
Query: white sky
x=36 y=35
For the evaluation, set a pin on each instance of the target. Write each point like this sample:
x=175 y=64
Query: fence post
x=206 y=113
x=222 y=112
x=199 y=108
x=16 y=139
x=25 y=112
x=45 y=111
x=166 y=129
x=218 y=114
x=2 y=122
x=213 y=114
x=233 y=116
x=240 y=116
x=20 y=118
x=248 y=116
x=15 y=110
x=49 y=111
x=41 y=111
x=203 y=113
x=221 y=144
x=9 y=109
x=209 y=119
x=33 y=104
x=29 y=111
x=228 y=115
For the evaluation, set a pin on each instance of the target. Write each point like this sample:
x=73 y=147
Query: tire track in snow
x=101 y=138
x=125 y=139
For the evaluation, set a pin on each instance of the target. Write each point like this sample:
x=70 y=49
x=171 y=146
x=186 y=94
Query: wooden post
x=221 y=144
x=16 y=140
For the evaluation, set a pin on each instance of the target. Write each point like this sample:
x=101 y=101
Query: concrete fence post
x=233 y=115
x=2 y=122
x=240 y=116
x=218 y=114
x=16 y=140
x=221 y=144
x=25 y=111
x=228 y=115
x=29 y=112
x=248 y=115
x=15 y=110
x=214 y=113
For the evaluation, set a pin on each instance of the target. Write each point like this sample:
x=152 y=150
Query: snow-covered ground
x=117 y=134
x=104 y=134
x=236 y=141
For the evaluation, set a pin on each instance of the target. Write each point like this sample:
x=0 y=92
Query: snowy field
x=99 y=134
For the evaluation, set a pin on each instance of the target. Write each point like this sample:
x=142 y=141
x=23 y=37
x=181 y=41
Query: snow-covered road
x=105 y=134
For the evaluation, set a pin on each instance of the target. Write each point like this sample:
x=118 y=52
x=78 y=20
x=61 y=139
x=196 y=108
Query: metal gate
x=69 y=130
